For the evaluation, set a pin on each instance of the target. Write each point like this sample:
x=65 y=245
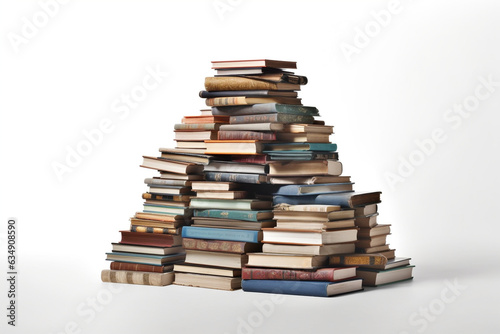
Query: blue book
x=322 y=147
x=346 y=199
x=196 y=232
x=246 y=215
x=303 y=288
x=314 y=189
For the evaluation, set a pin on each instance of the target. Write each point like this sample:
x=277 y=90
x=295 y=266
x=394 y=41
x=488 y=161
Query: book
x=308 y=237
x=266 y=108
x=145 y=258
x=165 y=182
x=168 y=198
x=248 y=215
x=308 y=128
x=379 y=240
x=214 y=186
x=302 y=168
x=373 y=277
x=220 y=64
x=345 y=199
x=245 y=71
x=380 y=229
x=252 y=127
x=322 y=274
x=322 y=147
x=171 y=166
x=161 y=217
x=207 y=281
x=195 y=146
x=243 y=83
x=371 y=250
x=311 y=225
x=117 y=265
x=321 y=209
x=280 y=77
x=313 y=216
x=221 y=234
x=343 y=248
x=174 y=176
x=225 y=194
x=297 y=190
x=236 y=167
x=173 y=210
x=239 y=247
x=194 y=135
x=124 y=248
x=150 y=239
x=367 y=221
x=371 y=260
x=301 y=155
x=148 y=229
x=303 y=137
x=233 y=146
x=366 y=210
x=198 y=126
x=251 y=93
x=270 y=118
x=137 y=277
x=169 y=190
x=245 y=100
x=206 y=270
x=291 y=261
x=217 y=259
x=236 y=177
x=205 y=119
x=245 y=135
x=303 y=288
x=156 y=223
x=310 y=179
x=227 y=204
x=232 y=224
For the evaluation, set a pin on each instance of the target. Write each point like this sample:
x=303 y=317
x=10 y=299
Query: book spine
x=233 y=177
x=136 y=277
x=196 y=126
x=303 y=288
x=135 y=267
x=159 y=230
x=237 y=83
x=220 y=234
x=285 y=274
x=175 y=198
x=294 y=79
x=152 y=239
x=225 y=101
x=214 y=245
x=358 y=260
x=269 y=118
x=244 y=135
x=228 y=214
x=252 y=159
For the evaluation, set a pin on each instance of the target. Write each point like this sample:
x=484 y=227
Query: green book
x=235 y=214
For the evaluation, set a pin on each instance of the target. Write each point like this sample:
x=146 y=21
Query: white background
x=396 y=90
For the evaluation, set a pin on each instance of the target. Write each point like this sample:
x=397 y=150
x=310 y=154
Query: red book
x=150 y=239
x=323 y=274
x=116 y=265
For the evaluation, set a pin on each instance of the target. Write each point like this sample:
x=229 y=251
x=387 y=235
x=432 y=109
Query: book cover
x=221 y=234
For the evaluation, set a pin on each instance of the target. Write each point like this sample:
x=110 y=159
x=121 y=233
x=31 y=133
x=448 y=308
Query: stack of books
x=148 y=251
x=372 y=237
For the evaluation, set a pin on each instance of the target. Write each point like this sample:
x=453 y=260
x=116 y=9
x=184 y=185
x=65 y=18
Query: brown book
x=389 y=254
x=205 y=119
x=241 y=83
x=246 y=135
x=150 y=239
x=239 y=247
x=379 y=240
x=137 y=277
x=371 y=250
x=116 y=265
x=246 y=100
x=149 y=229
x=368 y=232
x=322 y=274
x=366 y=210
x=159 y=217
x=156 y=223
x=366 y=221
x=302 y=168
x=366 y=260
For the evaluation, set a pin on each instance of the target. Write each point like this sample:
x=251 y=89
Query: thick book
x=345 y=200
x=297 y=190
x=171 y=166
x=236 y=177
x=331 y=249
x=117 y=265
x=245 y=135
x=322 y=274
x=266 y=108
x=271 y=118
x=233 y=146
x=217 y=259
x=291 y=261
x=244 y=100
x=367 y=221
x=208 y=281
x=228 y=204
x=374 y=277
x=137 y=277
x=206 y=270
x=243 y=83
x=239 y=247
x=247 y=215
x=220 y=64
x=150 y=239
x=308 y=237
x=157 y=260
x=302 y=168
x=303 y=288
x=221 y=234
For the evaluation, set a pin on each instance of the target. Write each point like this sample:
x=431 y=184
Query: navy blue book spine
x=303 y=288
